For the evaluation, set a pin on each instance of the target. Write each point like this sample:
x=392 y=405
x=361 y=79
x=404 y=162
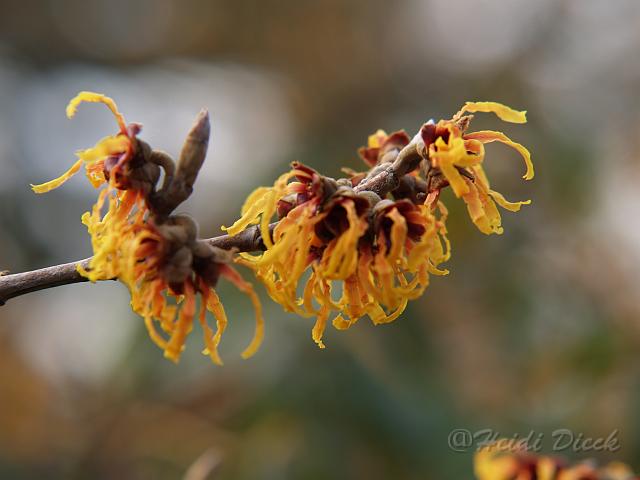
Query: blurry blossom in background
x=538 y=328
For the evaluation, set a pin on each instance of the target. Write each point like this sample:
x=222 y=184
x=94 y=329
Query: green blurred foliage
x=534 y=330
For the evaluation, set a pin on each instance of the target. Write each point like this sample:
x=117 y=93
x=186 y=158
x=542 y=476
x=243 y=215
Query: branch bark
x=388 y=179
x=17 y=284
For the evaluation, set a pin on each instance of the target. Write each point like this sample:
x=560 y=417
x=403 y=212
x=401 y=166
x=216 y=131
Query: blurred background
x=537 y=329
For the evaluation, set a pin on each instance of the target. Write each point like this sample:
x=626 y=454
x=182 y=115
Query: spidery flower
x=507 y=459
x=458 y=155
x=338 y=247
x=157 y=256
x=165 y=267
x=109 y=155
x=334 y=250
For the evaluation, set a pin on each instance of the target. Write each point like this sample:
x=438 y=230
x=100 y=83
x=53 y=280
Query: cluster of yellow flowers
x=369 y=244
x=360 y=252
x=356 y=246
x=455 y=153
x=158 y=259
x=508 y=459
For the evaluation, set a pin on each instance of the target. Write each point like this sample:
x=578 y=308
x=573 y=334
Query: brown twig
x=17 y=284
x=389 y=179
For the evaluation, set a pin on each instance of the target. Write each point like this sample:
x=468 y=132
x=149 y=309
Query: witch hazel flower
x=508 y=459
x=456 y=156
x=138 y=240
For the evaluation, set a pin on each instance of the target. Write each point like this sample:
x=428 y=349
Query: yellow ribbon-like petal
x=504 y=203
x=85 y=96
x=106 y=147
x=260 y=207
x=246 y=288
x=488 y=136
x=482 y=210
x=56 y=182
x=446 y=157
x=503 y=112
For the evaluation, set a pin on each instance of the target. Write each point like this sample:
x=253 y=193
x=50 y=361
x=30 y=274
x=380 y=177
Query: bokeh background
x=538 y=329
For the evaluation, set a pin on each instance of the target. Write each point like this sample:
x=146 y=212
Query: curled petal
x=482 y=210
x=104 y=148
x=318 y=329
x=504 y=203
x=183 y=326
x=260 y=207
x=245 y=287
x=379 y=317
x=214 y=305
x=56 y=182
x=72 y=106
x=253 y=198
x=398 y=236
x=341 y=256
x=323 y=296
x=488 y=136
x=154 y=335
x=252 y=212
x=502 y=111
